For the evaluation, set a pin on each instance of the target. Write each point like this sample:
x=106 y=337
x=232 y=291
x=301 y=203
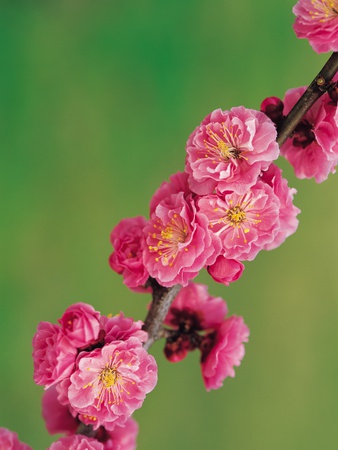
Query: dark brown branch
x=316 y=89
x=162 y=299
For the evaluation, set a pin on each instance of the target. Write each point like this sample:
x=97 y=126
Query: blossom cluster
x=198 y=321
x=229 y=203
x=312 y=148
x=96 y=373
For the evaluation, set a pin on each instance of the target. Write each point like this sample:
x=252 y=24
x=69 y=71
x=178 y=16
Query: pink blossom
x=195 y=309
x=126 y=259
x=317 y=20
x=53 y=355
x=288 y=222
x=120 y=438
x=81 y=324
x=57 y=417
x=178 y=243
x=76 y=442
x=273 y=108
x=312 y=149
x=229 y=149
x=121 y=328
x=111 y=382
x=244 y=223
x=9 y=441
x=178 y=183
x=223 y=350
x=225 y=270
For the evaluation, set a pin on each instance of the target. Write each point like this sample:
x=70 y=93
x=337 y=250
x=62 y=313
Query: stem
x=316 y=89
x=162 y=299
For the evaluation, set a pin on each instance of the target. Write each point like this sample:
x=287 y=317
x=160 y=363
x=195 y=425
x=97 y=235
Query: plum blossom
x=312 y=149
x=226 y=270
x=111 y=382
x=222 y=350
x=229 y=149
x=57 y=416
x=126 y=259
x=120 y=328
x=178 y=243
x=76 y=442
x=244 y=223
x=120 y=438
x=9 y=441
x=288 y=222
x=194 y=308
x=317 y=21
x=80 y=323
x=53 y=354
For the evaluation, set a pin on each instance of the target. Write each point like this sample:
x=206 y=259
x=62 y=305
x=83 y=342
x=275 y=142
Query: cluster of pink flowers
x=230 y=203
x=312 y=149
x=9 y=441
x=317 y=21
x=96 y=372
x=198 y=320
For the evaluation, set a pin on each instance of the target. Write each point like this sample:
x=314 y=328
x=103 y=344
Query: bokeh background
x=97 y=102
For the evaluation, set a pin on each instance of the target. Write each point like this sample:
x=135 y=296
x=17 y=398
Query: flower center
x=109 y=376
x=324 y=9
x=170 y=239
x=236 y=215
x=222 y=146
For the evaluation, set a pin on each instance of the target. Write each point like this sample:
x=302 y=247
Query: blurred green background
x=97 y=102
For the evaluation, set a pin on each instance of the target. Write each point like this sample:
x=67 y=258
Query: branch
x=316 y=89
x=162 y=296
x=162 y=299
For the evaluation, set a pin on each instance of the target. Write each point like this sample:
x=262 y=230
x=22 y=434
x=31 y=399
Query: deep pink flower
x=244 y=223
x=288 y=222
x=57 y=417
x=9 y=441
x=273 y=108
x=178 y=243
x=317 y=20
x=196 y=309
x=178 y=182
x=111 y=382
x=120 y=438
x=223 y=350
x=76 y=442
x=81 y=324
x=225 y=270
x=312 y=149
x=53 y=355
x=126 y=259
x=121 y=328
x=229 y=149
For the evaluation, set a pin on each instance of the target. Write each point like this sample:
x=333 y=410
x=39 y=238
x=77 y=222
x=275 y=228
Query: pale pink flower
x=9 y=441
x=81 y=324
x=126 y=259
x=229 y=149
x=111 y=382
x=57 y=416
x=312 y=149
x=288 y=222
x=317 y=21
x=244 y=223
x=222 y=351
x=226 y=270
x=76 y=442
x=178 y=243
x=178 y=182
x=121 y=328
x=53 y=354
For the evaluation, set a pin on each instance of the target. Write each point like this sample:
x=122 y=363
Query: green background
x=97 y=102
